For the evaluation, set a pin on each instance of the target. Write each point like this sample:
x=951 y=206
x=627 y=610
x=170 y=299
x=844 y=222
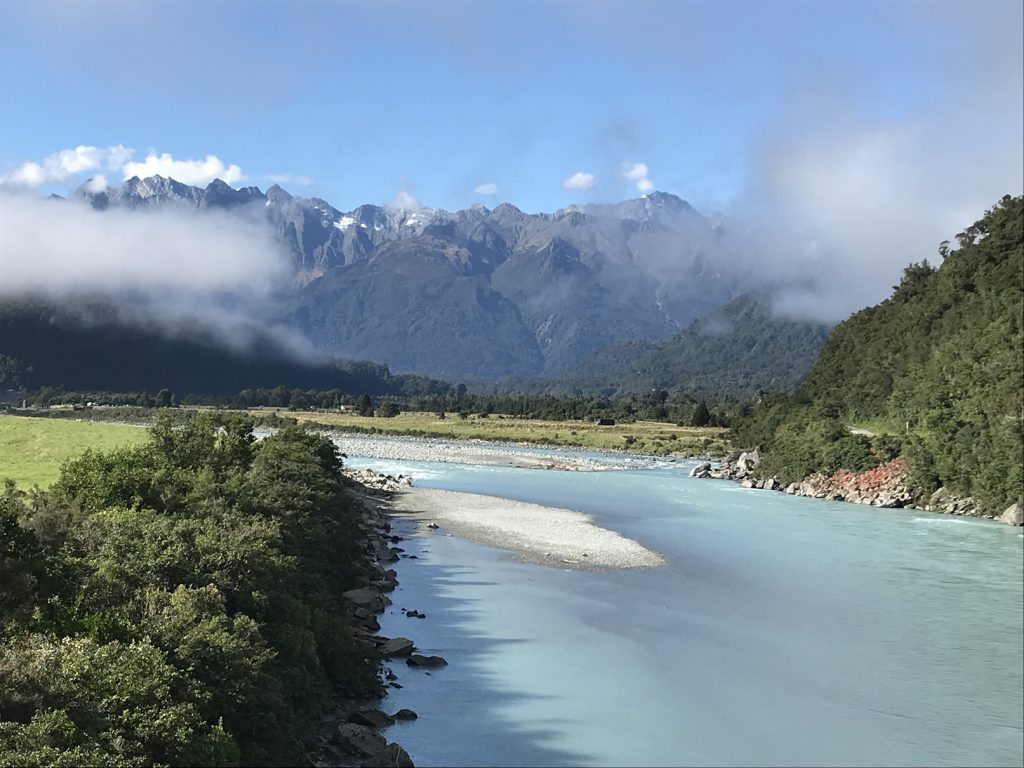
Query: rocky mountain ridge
x=484 y=292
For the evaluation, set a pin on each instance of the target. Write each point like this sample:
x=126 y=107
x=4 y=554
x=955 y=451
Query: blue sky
x=358 y=102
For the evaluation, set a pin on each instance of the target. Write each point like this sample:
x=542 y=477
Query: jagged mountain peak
x=666 y=200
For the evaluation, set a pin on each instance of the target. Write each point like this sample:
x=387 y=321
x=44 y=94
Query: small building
x=605 y=422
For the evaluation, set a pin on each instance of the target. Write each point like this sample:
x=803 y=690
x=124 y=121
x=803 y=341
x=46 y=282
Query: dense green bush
x=178 y=603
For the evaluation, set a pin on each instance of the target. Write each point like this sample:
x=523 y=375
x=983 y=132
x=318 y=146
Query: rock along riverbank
x=351 y=734
x=883 y=486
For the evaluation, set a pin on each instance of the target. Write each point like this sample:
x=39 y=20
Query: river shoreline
x=413 y=448
x=885 y=486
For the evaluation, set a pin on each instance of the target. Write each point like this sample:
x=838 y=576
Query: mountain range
x=608 y=299
x=475 y=292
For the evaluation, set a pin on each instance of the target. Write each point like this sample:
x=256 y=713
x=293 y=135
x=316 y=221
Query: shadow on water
x=468 y=715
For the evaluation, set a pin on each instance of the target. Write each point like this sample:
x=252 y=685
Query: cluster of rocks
x=883 y=486
x=948 y=503
x=738 y=466
x=375 y=482
x=350 y=735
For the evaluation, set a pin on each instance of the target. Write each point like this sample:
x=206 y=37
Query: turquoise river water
x=782 y=631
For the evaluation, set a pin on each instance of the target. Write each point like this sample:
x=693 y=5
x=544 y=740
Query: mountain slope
x=429 y=310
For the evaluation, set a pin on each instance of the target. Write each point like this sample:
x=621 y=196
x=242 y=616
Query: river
x=782 y=631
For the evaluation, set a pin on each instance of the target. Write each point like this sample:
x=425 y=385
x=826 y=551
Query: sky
x=849 y=126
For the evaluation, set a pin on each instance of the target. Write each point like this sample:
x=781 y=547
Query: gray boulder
x=405 y=714
x=385 y=554
x=369 y=599
x=416 y=660
x=748 y=460
x=371 y=717
x=701 y=470
x=392 y=756
x=359 y=740
x=1013 y=515
x=397 y=646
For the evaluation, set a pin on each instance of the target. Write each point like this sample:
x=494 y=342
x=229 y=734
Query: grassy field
x=642 y=436
x=32 y=450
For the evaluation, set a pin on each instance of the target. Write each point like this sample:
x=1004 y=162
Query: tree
x=164 y=398
x=388 y=409
x=701 y=415
x=365 y=406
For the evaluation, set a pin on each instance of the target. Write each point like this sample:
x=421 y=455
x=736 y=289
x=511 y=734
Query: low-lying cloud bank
x=174 y=270
x=833 y=217
x=55 y=247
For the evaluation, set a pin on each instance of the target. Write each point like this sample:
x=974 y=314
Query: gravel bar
x=561 y=538
x=399 y=448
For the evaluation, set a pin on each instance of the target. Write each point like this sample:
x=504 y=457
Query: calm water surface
x=783 y=631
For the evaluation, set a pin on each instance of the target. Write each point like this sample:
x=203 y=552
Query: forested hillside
x=739 y=349
x=939 y=367
x=87 y=345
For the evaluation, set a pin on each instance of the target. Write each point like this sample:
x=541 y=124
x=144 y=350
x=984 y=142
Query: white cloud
x=871 y=198
x=65 y=247
x=194 y=172
x=405 y=201
x=97 y=183
x=62 y=165
x=579 y=180
x=486 y=189
x=637 y=172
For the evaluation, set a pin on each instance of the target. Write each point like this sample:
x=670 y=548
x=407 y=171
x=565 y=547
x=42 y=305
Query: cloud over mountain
x=580 y=180
x=195 y=172
x=65 y=164
x=57 y=247
x=637 y=172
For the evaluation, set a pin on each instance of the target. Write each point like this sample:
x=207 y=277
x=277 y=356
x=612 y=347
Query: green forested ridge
x=89 y=346
x=738 y=350
x=941 y=362
x=179 y=602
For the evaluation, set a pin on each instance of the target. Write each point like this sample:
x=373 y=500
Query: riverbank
x=636 y=437
x=351 y=734
x=885 y=486
x=478 y=452
x=462 y=452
